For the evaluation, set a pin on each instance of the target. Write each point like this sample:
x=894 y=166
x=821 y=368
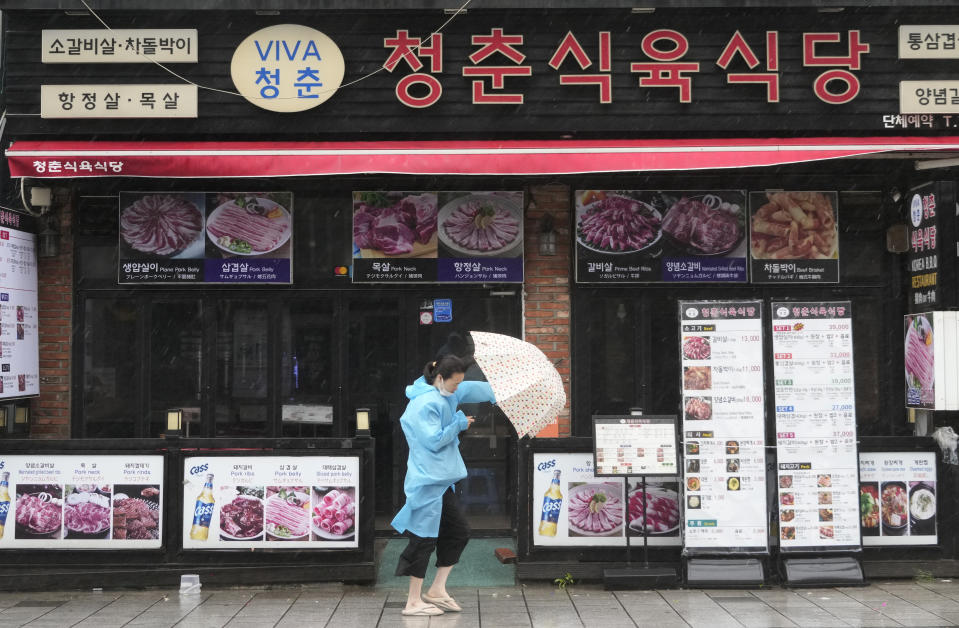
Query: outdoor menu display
x=108 y=502
x=897 y=498
x=430 y=237
x=794 y=237
x=19 y=335
x=815 y=426
x=572 y=507
x=627 y=236
x=635 y=445
x=197 y=237
x=284 y=502
x=723 y=426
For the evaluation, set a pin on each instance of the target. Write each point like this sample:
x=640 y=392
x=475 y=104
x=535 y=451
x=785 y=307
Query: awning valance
x=47 y=159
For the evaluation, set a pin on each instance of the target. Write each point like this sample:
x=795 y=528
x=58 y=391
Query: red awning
x=550 y=157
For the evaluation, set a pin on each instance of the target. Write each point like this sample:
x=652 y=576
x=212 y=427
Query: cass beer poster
x=573 y=507
x=81 y=502
x=278 y=502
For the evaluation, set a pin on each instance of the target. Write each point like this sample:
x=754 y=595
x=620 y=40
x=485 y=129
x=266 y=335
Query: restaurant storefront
x=705 y=214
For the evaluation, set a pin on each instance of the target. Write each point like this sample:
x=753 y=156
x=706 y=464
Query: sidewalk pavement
x=895 y=603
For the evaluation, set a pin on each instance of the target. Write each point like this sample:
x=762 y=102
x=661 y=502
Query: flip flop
x=446 y=603
x=423 y=611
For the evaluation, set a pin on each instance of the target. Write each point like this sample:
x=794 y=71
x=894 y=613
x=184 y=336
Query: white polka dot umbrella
x=527 y=386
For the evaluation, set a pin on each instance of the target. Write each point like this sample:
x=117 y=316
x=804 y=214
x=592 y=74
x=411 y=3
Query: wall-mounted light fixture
x=174 y=423
x=362 y=421
x=49 y=237
x=547 y=236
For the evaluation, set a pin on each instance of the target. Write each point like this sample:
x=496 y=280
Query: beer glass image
x=39 y=511
x=203 y=511
x=596 y=509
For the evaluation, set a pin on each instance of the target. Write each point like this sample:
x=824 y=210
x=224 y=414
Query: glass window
x=242 y=373
x=111 y=384
x=307 y=354
x=176 y=340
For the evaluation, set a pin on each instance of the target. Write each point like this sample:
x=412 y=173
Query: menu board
x=723 y=426
x=438 y=237
x=631 y=236
x=280 y=502
x=110 y=502
x=635 y=445
x=794 y=237
x=815 y=426
x=213 y=237
x=897 y=498
x=19 y=335
x=578 y=509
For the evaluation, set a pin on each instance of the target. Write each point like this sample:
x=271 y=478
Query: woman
x=432 y=517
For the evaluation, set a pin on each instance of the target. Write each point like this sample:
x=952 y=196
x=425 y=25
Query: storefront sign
x=723 y=426
x=119 y=45
x=635 y=445
x=118 y=101
x=897 y=498
x=287 y=68
x=19 y=318
x=669 y=236
x=815 y=426
x=927 y=97
x=277 y=502
x=430 y=237
x=212 y=237
x=928 y=41
x=60 y=502
x=794 y=237
x=931 y=211
x=572 y=507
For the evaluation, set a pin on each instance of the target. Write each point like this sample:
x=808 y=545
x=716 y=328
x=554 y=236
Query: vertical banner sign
x=430 y=237
x=724 y=431
x=794 y=237
x=632 y=236
x=815 y=426
x=573 y=507
x=931 y=210
x=897 y=498
x=108 y=502
x=281 y=502
x=196 y=237
x=19 y=317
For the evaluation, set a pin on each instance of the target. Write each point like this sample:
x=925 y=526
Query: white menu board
x=281 y=502
x=19 y=335
x=724 y=430
x=110 y=502
x=815 y=426
x=635 y=445
x=593 y=511
x=897 y=498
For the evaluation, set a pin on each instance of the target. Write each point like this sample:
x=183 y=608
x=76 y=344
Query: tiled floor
x=895 y=603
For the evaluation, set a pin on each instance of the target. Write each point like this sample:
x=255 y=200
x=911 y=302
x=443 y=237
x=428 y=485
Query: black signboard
x=930 y=213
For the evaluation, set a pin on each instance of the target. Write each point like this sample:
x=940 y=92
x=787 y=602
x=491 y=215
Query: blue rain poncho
x=432 y=425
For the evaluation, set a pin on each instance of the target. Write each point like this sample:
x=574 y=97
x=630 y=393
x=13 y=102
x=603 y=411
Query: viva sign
x=287 y=68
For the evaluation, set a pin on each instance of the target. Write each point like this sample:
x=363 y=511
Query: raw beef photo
x=618 y=224
x=39 y=511
x=394 y=223
x=160 y=224
x=480 y=224
x=596 y=509
x=696 y=348
x=241 y=519
x=86 y=511
x=136 y=512
x=704 y=226
x=698 y=408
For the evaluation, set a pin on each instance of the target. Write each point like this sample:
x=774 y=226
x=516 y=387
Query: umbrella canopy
x=528 y=388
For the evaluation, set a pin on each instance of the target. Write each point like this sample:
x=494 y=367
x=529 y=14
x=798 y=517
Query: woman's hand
x=469 y=421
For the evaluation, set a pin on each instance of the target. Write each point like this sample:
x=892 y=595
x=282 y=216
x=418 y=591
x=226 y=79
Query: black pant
x=453 y=536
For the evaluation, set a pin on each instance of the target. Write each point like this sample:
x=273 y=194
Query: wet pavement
x=893 y=603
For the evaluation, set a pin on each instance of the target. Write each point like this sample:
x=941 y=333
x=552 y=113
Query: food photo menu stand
x=628 y=446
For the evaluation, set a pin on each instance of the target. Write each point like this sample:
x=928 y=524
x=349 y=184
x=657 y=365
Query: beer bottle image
x=4 y=500
x=203 y=511
x=552 y=504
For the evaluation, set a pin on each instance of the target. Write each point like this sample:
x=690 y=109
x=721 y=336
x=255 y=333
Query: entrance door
x=390 y=342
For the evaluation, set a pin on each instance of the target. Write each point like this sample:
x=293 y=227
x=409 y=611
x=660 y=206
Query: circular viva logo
x=782 y=312
x=692 y=312
x=287 y=68
x=915 y=210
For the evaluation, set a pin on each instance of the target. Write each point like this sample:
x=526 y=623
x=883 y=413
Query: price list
x=19 y=318
x=815 y=426
x=723 y=426
x=629 y=445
